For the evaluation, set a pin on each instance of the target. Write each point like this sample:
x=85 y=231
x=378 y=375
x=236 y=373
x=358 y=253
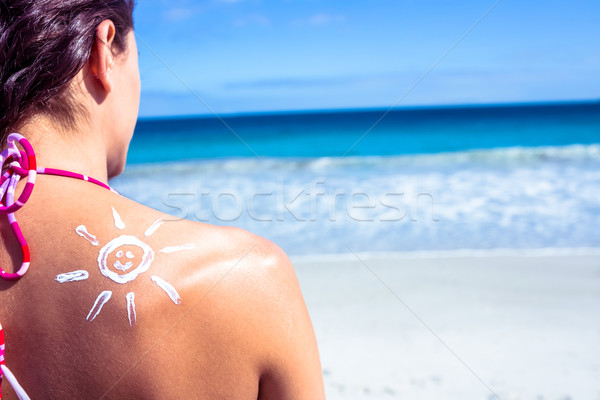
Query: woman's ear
x=101 y=57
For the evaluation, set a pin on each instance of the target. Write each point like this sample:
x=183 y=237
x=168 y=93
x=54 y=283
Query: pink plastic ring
x=31 y=174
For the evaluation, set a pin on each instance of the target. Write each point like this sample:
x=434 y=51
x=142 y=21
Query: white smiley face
x=128 y=263
x=119 y=246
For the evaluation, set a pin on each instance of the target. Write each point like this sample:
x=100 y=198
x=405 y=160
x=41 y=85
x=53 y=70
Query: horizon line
x=234 y=114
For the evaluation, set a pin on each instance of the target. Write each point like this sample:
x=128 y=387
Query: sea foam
x=518 y=197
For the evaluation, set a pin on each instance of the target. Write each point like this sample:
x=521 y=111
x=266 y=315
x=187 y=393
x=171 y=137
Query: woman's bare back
x=122 y=301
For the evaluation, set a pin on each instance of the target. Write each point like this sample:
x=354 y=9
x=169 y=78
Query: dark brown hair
x=43 y=45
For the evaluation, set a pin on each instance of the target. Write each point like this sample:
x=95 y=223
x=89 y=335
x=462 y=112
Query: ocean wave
x=510 y=156
x=518 y=198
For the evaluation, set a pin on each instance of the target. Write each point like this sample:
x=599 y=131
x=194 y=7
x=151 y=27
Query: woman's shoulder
x=225 y=266
x=239 y=297
x=200 y=244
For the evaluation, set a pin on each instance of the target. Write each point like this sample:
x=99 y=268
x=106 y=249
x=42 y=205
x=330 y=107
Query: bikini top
x=18 y=164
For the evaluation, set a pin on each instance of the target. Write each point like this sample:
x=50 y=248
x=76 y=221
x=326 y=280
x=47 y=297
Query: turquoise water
x=421 y=180
x=335 y=134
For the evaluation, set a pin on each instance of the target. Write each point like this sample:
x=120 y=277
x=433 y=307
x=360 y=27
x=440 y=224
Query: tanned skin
x=242 y=330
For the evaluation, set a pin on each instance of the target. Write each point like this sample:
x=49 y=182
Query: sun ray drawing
x=122 y=260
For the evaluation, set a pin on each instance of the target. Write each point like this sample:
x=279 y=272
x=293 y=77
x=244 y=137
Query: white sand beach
x=451 y=327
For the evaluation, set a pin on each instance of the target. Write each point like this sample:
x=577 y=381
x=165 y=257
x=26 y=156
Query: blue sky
x=230 y=56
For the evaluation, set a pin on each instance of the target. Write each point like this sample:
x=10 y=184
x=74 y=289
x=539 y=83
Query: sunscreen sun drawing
x=122 y=260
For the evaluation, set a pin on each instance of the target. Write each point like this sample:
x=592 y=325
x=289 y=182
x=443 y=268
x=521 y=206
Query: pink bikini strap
x=1 y=356
x=17 y=164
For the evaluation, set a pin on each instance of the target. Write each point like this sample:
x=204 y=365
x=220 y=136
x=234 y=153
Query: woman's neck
x=81 y=150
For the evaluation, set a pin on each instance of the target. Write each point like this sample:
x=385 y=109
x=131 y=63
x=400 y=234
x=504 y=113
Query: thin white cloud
x=252 y=19
x=178 y=14
x=319 y=19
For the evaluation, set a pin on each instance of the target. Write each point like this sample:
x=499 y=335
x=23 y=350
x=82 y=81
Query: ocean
x=479 y=178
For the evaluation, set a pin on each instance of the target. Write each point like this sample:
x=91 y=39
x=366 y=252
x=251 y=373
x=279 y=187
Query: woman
x=120 y=301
